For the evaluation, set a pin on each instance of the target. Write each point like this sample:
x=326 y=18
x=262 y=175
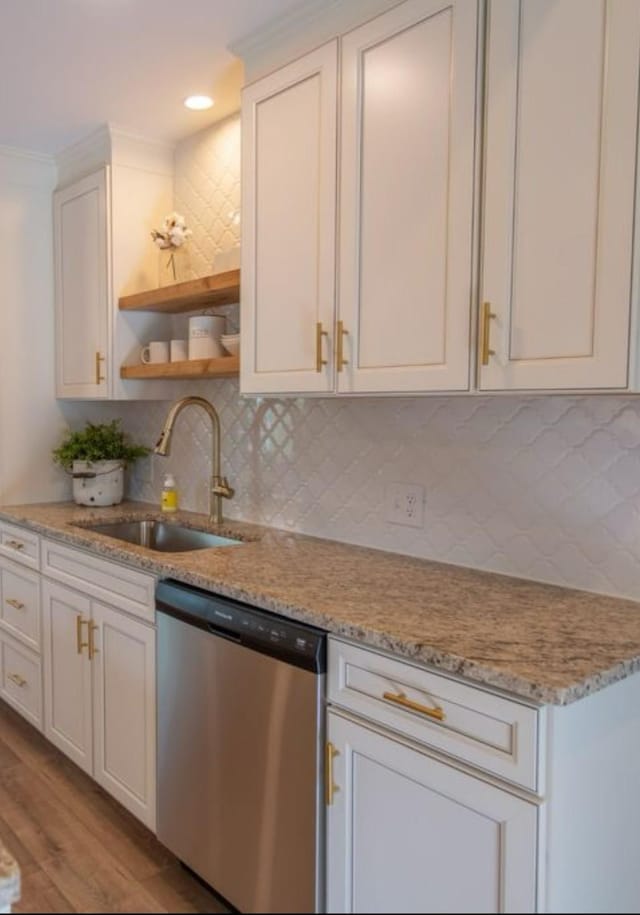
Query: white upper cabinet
x=82 y=286
x=113 y=189
x=560 y=158
x=289 y=125
x=407 y=199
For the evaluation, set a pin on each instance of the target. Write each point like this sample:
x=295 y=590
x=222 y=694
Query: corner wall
x=30 y=419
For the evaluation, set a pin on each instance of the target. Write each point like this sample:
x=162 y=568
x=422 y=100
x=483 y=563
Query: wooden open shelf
x=206 y=292
x=223 y=367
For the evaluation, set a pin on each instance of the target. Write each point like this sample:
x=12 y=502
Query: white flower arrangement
x=174 y=232
x=173 y=235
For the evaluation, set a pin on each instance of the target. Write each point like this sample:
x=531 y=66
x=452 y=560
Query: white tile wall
x=542 y=487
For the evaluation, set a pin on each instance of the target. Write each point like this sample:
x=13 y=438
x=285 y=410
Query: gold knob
x=320 y=333
x=341 y=333
x=16 y=604
x=15 y=544
x=17 y=679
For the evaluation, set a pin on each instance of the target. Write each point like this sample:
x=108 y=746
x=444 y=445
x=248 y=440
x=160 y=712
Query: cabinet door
x=81 y=243
x=288 y=224
x=124 y=710
x=406 y=205
x=561 y=124
x=67 y=673
x=407 y=833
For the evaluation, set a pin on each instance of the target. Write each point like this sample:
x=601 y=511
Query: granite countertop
x=541 y=642
x=9 y=879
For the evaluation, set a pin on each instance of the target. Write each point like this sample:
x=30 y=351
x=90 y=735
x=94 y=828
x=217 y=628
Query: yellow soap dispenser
x=169 y=494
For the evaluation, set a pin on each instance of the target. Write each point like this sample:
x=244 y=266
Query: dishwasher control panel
x=259 y=629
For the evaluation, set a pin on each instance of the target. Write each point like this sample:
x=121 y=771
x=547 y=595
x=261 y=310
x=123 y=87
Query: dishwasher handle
x=223 y=634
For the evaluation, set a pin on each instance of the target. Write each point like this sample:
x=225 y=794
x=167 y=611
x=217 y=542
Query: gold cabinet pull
x=15 y=544
x=330 y=787
x=99 y=376
x=16 y=604
x=79 y=643
x=320 y=333
x=93 y=651
x=341 y=333
x=485 y=342
x=17 y=679
x=400 y=699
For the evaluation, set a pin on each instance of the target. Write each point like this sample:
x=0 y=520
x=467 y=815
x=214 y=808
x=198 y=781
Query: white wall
x=30 y=420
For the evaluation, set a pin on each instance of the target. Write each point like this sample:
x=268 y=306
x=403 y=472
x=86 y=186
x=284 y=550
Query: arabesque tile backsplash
x=542 y=487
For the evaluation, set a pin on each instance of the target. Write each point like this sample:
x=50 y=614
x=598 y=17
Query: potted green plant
x=96 y=457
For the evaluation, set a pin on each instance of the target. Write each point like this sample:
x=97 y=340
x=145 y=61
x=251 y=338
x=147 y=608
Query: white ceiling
x=67 y=66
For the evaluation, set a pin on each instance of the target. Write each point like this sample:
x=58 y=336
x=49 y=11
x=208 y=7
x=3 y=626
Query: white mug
x=178 y=351
x=156 y=351
x=204 y=336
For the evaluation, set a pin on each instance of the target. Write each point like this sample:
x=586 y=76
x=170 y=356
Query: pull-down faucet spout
x=220 y=488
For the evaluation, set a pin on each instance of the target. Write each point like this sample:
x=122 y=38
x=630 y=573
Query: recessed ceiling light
x=198 y=102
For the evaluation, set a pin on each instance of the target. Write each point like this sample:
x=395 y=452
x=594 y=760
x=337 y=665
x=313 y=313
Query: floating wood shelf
x=206 y=292
x=192 y=369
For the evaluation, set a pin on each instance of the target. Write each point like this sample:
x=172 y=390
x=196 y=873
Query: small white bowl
x=231 y=343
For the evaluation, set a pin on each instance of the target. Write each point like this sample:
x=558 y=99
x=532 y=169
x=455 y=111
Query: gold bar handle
x=93 y=651
x=487 y=316
x=15 y=544
x=99 y=376
x=330 y=787
x=320 y=333
x=16 y=604
x=17 y=679
x=341 y=333
x=79 y=643
x=400 y=699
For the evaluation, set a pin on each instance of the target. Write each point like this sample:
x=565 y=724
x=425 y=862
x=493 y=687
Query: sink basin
x=161 y=536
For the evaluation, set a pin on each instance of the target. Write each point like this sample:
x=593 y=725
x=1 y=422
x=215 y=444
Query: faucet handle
x=221 y=488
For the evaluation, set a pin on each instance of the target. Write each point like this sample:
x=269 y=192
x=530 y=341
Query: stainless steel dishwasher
x=240 y=703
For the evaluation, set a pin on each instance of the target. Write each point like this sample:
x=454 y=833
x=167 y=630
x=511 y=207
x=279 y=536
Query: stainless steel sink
x=160 y=535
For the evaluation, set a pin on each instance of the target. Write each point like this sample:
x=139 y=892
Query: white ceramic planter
x=98 y=483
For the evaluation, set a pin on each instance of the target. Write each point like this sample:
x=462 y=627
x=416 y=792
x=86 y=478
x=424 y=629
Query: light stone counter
x=9 y=880
x=544 y=643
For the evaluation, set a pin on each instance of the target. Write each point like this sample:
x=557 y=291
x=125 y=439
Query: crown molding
x=114 y=145
x=16 y=153
x=308 y=26
x=283 y=27
x=26 y=168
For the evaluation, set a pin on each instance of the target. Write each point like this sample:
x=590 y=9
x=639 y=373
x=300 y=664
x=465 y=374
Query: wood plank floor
x=78 y=849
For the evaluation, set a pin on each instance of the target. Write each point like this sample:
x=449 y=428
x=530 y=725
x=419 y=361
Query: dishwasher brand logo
x=224 y=616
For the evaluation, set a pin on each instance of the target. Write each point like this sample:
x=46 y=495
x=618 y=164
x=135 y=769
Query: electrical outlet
x=405 y=504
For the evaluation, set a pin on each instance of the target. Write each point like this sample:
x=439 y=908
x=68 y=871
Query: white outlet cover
x=405 y=504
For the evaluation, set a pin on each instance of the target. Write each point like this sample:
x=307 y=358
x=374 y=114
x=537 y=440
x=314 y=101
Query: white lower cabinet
x=124 y=710
x=21 y=679
x=100 y=694
x=67 y=672
x=409 y=833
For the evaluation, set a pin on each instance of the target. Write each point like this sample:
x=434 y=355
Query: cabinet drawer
x=124 y=588
x=21 y=679
x=20 y=545
x=20 y=603
x=496 y=734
